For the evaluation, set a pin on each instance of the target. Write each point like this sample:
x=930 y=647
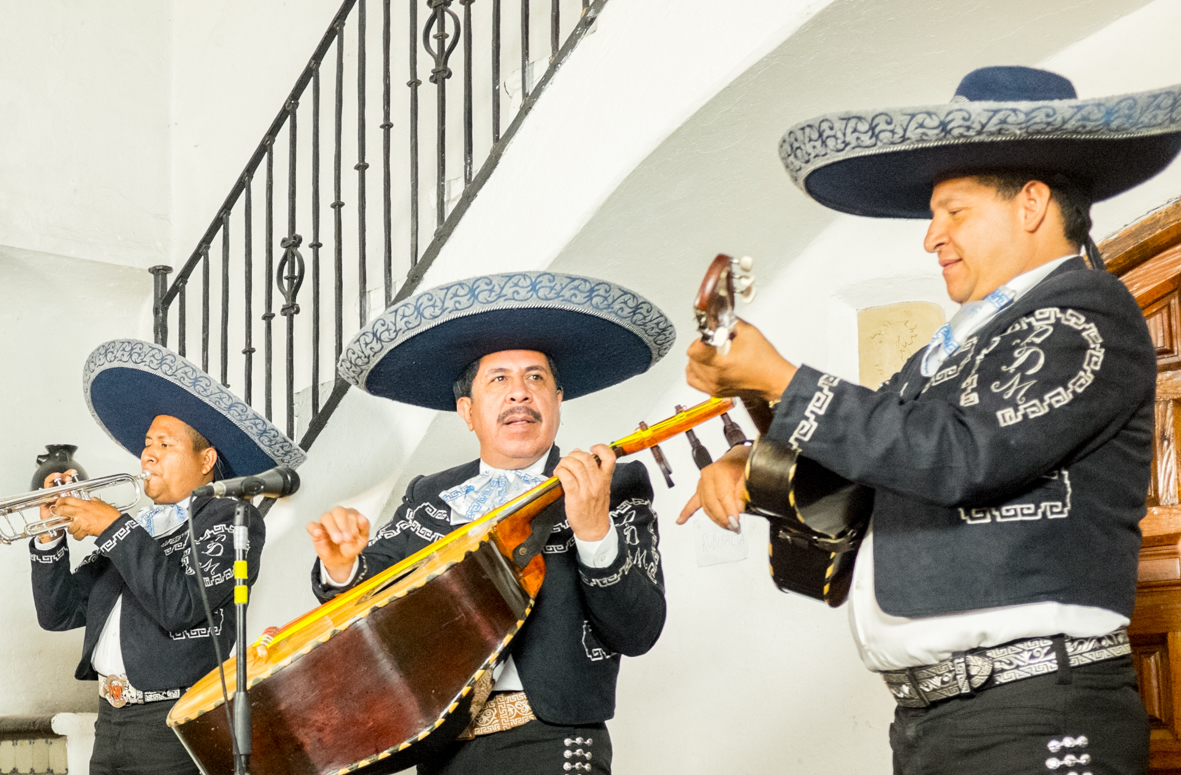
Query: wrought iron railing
x=226 y=255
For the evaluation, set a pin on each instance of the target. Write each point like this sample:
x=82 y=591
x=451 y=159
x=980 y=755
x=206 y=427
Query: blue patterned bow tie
x=485 y=491
x=161 y=518
x=971 y=316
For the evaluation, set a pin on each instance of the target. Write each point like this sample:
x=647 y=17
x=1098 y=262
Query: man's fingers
x=693 y=505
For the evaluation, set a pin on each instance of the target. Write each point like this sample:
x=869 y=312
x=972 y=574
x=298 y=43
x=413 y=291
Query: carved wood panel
x=1147 y=257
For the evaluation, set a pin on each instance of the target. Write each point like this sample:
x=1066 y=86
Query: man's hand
x=87 y=518
x=587 y=484
x=339 y=537
x=53 y=480
x=721 y=490
x=753 y=366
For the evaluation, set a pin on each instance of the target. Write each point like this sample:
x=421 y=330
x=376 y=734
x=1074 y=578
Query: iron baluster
x=248 y=287
x=338 y=203
x=386 y=126
x=268 y=314
x=441 y=52
x=159 y=310
x=205 y=308
x=289 y=246
x=225 y=298
x=495 y=71
x=555 y=25
x=289 y=278
x=467 y=91
x=413 y=83
x=182 y=332
x=315 y=244
x=361 y=166
x=524 y=50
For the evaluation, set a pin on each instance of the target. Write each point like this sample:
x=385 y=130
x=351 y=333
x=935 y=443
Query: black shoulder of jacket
x=219 y=508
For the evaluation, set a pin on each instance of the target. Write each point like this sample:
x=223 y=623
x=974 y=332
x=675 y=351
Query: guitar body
x=389 y=671
x=817 y=520
x=817 y=517
x=425 y=641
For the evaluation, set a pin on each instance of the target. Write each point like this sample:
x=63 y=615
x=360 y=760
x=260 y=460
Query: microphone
x=278 y=482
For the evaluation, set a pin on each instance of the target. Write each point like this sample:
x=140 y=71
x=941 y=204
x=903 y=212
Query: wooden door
x=1147 y=257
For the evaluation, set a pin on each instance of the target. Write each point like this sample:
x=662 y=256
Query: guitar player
x=1010 y=457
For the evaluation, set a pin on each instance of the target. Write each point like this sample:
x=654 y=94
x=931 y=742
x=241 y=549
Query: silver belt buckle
x=115 y=689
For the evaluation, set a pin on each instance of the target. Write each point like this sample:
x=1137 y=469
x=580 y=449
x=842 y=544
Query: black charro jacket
x=568 y=652
x=1018 y=472
x=163 y=631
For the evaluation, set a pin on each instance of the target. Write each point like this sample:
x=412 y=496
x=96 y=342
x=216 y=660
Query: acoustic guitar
x=817 y=517
x=382 y=675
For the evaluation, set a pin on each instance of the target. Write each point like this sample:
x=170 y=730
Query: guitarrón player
x=147 y=637
x=1010 y=458
x=504 y=351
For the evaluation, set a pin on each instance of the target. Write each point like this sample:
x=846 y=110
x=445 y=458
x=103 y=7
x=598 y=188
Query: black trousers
x=534 y=748
x=1031 y=727
x=135 y=740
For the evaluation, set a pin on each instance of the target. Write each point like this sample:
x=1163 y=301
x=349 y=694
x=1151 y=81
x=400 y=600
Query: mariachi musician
x=504 y=351
x=1010 y=457
x=147 y=635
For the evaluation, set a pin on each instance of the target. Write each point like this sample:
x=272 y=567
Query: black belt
x=973 y=671
x=116 y=690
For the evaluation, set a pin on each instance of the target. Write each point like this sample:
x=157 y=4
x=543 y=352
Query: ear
x=463 y=405
x=1033 y=205
x=208 y=460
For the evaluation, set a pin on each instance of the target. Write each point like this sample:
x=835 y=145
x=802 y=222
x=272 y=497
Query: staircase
x=344 y=161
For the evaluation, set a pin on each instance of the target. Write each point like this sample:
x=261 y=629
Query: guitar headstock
x=716 y=301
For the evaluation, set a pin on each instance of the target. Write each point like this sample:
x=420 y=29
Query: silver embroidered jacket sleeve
x=994 y=479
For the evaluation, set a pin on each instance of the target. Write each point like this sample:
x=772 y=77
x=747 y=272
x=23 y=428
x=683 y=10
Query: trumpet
x=15 y=526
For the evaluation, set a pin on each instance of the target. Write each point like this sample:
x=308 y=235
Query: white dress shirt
x=893 y=642
x=593 y=554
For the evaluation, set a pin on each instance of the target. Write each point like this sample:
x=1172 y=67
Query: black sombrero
x=597 y=333
x=128 y=383
x=884 y=163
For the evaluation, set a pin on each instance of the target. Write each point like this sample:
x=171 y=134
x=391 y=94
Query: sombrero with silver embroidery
x=596 y=332
x=128 y=383
x=884 y=163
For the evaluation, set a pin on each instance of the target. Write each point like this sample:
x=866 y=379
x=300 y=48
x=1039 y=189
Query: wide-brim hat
x=597 y=333
x=884 y=163
x=128 y=383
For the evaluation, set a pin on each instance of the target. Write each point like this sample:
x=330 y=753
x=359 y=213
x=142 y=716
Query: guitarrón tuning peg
x=661 y=461
x=701 y=456
x=734 y=433
x=744 y=281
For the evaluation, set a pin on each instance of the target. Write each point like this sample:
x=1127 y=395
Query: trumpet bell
x=15 y=525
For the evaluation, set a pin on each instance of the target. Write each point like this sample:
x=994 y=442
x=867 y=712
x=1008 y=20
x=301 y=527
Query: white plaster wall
x=84 y=96
x=53 y=312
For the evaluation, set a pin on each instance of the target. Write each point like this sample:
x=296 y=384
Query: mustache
x=507 y=413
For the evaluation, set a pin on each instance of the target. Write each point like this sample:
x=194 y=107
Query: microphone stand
x=242 y=730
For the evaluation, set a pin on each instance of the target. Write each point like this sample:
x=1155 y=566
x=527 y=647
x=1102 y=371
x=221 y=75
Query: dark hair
x=200 y=444
x=1072 y=201
x=463 y=386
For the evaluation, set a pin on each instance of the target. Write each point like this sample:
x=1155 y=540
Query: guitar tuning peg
x=734 y=434
x=661 y=461
x=746 y=263
x=701 y=456
x=724 y=347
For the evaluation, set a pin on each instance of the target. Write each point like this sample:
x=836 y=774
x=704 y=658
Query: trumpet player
x=139 y=594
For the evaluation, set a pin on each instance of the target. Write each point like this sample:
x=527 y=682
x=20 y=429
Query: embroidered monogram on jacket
x=815 y=410
x=1018 y=382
